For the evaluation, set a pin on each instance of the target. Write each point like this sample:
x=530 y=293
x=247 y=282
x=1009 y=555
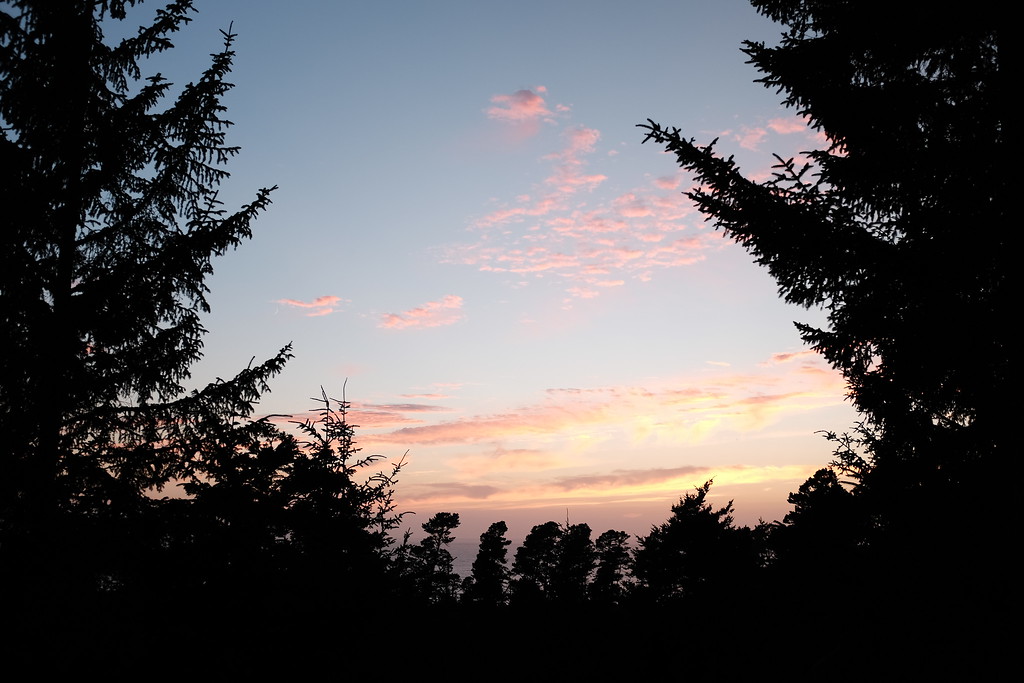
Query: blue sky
x=468 y=229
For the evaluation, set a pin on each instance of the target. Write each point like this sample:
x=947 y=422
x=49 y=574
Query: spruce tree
x=112 y=221
x=696 y=552
x=899 y=226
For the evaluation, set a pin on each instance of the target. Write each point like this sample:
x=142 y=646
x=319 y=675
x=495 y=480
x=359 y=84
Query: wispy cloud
x=586 y=241
x=431 y=314
x=668 y=182
x=500 y=459
x=522 y=111
x=680 y=411
x=568 y=176
x=620 y=478
x=371 y=415
x=322 y=305
x=558 y=446
x=522 y=105
x=789 y=126
x=605 y=486
x=404 y=407
x=453 y=490
x=786 y=357
x=751 y=138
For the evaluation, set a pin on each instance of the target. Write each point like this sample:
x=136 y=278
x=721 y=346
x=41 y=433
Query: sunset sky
x=518 y=293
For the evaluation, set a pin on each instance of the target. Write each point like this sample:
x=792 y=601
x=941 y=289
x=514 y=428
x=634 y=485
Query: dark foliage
x=900 y=229
x=533 y=567
x=488 y=583
x=113 y=222
x=826 y=532
x=575 y=559
x=697 y=551
x=432 y=570
x=614 y=567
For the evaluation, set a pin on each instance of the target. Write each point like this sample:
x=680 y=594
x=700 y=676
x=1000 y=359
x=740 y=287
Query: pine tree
x=534 y=564
x=434 y=571
x=698 y=550
x=614 y=564
x=574 y=564
x=490 y=568
x=300 y=514
x=112 y=222
x=900 y=227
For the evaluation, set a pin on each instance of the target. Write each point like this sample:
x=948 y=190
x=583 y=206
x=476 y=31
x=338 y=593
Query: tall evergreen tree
x=435 y=572
x=111 y=225
x=695 y=552
x=490 y=568
x=533 y=567
x=614 y=563
x=824 y=533
x=574 y=564
x=900 y=227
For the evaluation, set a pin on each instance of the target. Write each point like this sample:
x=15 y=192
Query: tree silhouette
x=533 y=567
x=575 y=558
x=916 y=110
x=489 y=580
x=822 y=538
x=434 y=572
x=113 y=221
x=554 y=564
x=614 y=566
x=695 y=551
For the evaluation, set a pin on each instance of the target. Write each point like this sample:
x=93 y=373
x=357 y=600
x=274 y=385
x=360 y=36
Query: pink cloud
x=521 y=106
x=631 y=206
x=788 y=126
x=568 y=176
x=532 y=420
x=322 y=305
x=582 y=140
x=667 y=182
x=641 y=485
x=402 y=407
x=366 y=419
x=558 y=227
x=623 y=478
x=583 y=292
x=750 y=138
x=793 y=355
x=370 y=415
x=507 y=460
x=431 y=314
x=679 y=410
x=447 y=490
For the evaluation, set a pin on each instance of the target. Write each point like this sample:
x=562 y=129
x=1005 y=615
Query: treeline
x=699 y=552
x=300 y=513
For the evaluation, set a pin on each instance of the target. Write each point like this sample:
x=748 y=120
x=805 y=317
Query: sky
x=469 y=239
